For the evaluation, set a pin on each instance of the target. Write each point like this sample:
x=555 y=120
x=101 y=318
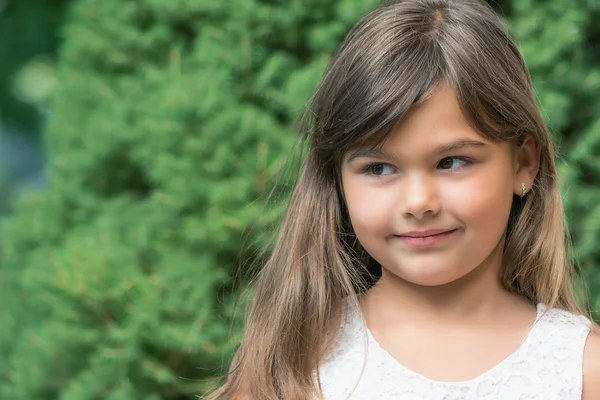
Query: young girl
x=423 y=255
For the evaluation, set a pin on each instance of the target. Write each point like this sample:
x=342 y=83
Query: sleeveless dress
x=547 y=366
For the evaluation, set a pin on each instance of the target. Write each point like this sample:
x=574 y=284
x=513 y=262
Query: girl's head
x=434 y=172
x=411 y=78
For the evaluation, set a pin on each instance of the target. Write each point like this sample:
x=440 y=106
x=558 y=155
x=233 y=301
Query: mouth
x=426 y=234
x=429 y=240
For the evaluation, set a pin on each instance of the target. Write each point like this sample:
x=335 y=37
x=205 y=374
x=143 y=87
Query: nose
x=420 y=197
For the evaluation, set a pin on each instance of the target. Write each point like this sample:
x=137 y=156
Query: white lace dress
x=547 y=366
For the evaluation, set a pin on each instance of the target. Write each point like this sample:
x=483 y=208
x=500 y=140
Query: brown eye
x=377 y=169
x=446 y=163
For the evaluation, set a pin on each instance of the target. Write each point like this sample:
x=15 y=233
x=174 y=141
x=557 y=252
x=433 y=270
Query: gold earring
x=524 y=189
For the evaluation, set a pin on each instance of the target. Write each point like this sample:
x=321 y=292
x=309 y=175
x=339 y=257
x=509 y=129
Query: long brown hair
x=391 y=60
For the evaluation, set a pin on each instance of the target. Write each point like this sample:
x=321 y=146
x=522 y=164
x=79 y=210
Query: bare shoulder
x=591 y=367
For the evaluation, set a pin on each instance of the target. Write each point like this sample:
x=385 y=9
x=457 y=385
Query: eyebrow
x=445 y=148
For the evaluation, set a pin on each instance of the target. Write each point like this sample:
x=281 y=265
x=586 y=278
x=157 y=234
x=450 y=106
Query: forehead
x=439 y=117
x=436 y=124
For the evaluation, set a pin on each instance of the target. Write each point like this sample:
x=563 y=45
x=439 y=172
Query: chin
x=429 y=278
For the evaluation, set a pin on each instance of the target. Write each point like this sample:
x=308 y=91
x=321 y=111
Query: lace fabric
x=547 y=366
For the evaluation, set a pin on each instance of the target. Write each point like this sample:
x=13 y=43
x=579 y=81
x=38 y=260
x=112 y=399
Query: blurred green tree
x=28 y=45
x=172 y=119
x=28 y=29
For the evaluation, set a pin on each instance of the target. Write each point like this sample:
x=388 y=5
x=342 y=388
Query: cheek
x=369 y=208
x=483 y=203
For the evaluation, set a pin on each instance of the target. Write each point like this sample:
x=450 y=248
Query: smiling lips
x=430 y=232
x=425 y=238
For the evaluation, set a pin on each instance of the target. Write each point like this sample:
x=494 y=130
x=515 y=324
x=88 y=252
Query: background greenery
x=169 y=122
x=28 y=43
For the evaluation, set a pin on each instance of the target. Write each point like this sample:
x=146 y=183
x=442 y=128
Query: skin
x=445 y=303
x=591 y=368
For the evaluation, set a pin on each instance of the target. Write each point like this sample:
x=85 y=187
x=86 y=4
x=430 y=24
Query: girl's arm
x=591 y=368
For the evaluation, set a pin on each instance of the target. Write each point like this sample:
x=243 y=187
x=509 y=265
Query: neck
x=476 y=294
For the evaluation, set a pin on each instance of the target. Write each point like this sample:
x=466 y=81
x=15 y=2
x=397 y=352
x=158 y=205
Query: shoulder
x=591 y=367
x=563 y=318
x=580 y=333
x=348 y=339
x=561 y=352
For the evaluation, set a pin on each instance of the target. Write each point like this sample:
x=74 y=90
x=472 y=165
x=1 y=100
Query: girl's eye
x=453 y=164
x=378 y=169
x=447 y=163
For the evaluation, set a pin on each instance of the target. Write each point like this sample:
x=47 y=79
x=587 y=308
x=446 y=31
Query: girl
x=423 y=255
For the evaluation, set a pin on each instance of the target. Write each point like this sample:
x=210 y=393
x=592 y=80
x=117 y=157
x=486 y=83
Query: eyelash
x=368 y=169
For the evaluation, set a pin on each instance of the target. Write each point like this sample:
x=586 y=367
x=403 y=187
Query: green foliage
x=27 y=30
x=172 y=120
x=28 y=44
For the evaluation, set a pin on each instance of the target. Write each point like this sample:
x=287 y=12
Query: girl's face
x=434 y=172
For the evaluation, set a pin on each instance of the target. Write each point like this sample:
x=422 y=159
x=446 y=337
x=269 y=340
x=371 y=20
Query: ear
x=526 y=164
